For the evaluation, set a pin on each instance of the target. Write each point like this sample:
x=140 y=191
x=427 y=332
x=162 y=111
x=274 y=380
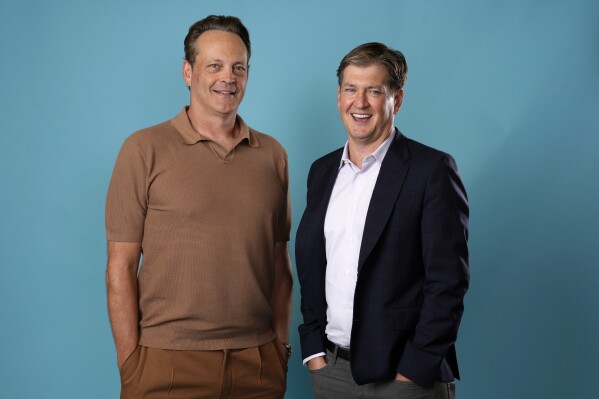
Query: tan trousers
x=257 y=372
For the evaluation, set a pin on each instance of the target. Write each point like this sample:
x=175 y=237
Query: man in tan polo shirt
x=205 y=199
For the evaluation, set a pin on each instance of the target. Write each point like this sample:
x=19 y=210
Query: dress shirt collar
x=378 y=154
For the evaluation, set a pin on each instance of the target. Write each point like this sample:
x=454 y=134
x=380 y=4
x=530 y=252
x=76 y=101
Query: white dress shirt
x=343 y=229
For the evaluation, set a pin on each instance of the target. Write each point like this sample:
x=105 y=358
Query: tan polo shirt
x=208 y=222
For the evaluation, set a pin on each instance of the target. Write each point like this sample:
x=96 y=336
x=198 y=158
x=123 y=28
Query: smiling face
x=366 y=104
x=218 y=77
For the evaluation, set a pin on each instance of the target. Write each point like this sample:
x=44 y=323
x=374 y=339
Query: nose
x=228 y=76
x=361 y=100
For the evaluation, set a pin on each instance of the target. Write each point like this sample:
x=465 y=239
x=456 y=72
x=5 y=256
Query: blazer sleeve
x=444 y=237
x=311 y=283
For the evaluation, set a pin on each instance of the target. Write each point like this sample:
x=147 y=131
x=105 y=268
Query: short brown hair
x=215 y=22
x=377 y=53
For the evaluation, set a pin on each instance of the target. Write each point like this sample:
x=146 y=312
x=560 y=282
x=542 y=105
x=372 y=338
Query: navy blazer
x=412 y=268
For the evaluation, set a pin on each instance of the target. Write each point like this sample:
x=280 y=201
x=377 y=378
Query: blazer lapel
x=325 y=184
x=386 y=190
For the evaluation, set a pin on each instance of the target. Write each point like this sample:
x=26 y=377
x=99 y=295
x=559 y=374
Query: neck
x=219 y=128
x=358 y=150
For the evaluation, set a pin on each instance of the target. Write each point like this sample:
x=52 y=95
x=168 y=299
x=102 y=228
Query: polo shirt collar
x=190 y=136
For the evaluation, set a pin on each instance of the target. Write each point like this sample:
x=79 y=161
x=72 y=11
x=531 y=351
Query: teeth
x=360 y=116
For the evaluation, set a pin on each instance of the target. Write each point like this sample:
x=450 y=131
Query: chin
x=361 y=134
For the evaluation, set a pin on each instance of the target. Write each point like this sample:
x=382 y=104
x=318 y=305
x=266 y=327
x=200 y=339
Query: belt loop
x=224 y=371
x=334 y=360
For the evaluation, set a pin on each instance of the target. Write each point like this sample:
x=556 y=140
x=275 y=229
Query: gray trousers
x=334 y=381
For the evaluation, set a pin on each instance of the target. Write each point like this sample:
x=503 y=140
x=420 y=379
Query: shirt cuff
x=306 y=360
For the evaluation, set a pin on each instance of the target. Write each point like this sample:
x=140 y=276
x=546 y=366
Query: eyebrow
x=381 y=87
x=212 y=61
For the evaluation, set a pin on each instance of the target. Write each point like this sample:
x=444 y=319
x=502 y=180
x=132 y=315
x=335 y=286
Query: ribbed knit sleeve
x=126 y=201
x=284 y=221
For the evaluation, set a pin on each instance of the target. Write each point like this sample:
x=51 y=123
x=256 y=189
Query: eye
x=375 y=92
x=239 y=69
x=213 y=67
x=350 y=90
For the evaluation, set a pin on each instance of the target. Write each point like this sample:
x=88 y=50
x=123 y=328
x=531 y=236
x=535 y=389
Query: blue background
x=511 y=89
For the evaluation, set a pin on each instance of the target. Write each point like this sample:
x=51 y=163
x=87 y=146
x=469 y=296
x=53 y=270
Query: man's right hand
x=121 y=358
x=317 y=363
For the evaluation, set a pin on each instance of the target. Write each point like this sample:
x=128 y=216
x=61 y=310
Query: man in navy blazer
x=381 y=249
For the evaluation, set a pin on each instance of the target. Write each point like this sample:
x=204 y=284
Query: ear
x=339 y=97
x=397 y=99
x=187 y=71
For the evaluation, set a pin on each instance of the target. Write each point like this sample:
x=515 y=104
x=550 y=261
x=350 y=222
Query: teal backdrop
x=510 y=88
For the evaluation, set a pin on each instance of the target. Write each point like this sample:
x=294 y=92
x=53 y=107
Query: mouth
x=361 y=118
x=226 y=92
